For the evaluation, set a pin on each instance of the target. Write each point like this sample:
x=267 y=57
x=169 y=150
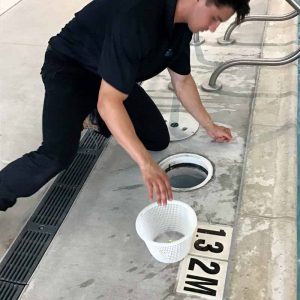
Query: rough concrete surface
x=96 y=253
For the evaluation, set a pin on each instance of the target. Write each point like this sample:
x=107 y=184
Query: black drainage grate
x=23 y=259
x=26 y=252
x=9 y=290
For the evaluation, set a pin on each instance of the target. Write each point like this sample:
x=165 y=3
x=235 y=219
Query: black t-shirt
x=126 y=41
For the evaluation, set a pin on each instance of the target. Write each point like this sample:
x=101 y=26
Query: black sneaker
x=94 y=121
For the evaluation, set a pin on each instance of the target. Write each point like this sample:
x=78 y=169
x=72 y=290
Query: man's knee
x=160 y=144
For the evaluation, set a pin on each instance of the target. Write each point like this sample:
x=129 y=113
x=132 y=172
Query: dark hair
x=241 y=7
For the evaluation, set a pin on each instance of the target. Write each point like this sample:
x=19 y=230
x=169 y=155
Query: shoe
x=93 y=121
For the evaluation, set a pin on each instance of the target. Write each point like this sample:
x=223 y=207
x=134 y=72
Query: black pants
x=71 y=93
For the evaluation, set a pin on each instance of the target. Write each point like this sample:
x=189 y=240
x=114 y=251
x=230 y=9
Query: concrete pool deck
x=96 y=253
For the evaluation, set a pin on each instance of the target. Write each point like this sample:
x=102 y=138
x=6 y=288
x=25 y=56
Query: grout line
x=287 y=218
x=8 y=9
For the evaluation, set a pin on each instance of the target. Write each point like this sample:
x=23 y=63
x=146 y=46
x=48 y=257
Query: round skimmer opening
x=187 y=171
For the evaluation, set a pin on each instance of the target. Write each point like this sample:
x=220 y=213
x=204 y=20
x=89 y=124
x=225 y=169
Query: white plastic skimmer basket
x=167 y=230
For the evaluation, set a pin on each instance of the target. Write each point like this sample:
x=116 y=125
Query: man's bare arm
x=112 y=111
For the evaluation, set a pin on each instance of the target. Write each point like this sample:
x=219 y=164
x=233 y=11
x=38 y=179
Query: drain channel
x=26 y=252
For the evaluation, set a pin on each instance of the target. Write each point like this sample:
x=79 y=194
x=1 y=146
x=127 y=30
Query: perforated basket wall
x=155 y=220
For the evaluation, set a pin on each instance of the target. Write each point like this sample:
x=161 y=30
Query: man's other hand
x=220 y=134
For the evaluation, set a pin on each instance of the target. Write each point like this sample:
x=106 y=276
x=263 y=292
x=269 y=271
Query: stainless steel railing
x=226 y=39
x=213 y=86
x=197 y=40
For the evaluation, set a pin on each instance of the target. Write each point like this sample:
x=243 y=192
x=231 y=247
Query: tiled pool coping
x=264 y=255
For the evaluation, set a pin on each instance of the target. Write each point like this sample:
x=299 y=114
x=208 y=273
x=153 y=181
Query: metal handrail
x=212 y=86
x=226 y=39
x=294 y=4
x=197 y=40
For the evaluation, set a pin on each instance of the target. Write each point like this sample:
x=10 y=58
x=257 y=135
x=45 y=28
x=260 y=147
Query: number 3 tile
x=212 y=241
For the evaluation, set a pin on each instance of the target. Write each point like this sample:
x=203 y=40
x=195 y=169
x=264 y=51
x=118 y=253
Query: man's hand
x=220 y=134
x=157 y=182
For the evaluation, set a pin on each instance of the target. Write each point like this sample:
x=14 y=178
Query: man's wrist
x=144 y=160
x=209 y=125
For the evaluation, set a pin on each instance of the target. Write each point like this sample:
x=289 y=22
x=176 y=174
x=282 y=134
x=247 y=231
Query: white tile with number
x=212 y=241
x=202 y=277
